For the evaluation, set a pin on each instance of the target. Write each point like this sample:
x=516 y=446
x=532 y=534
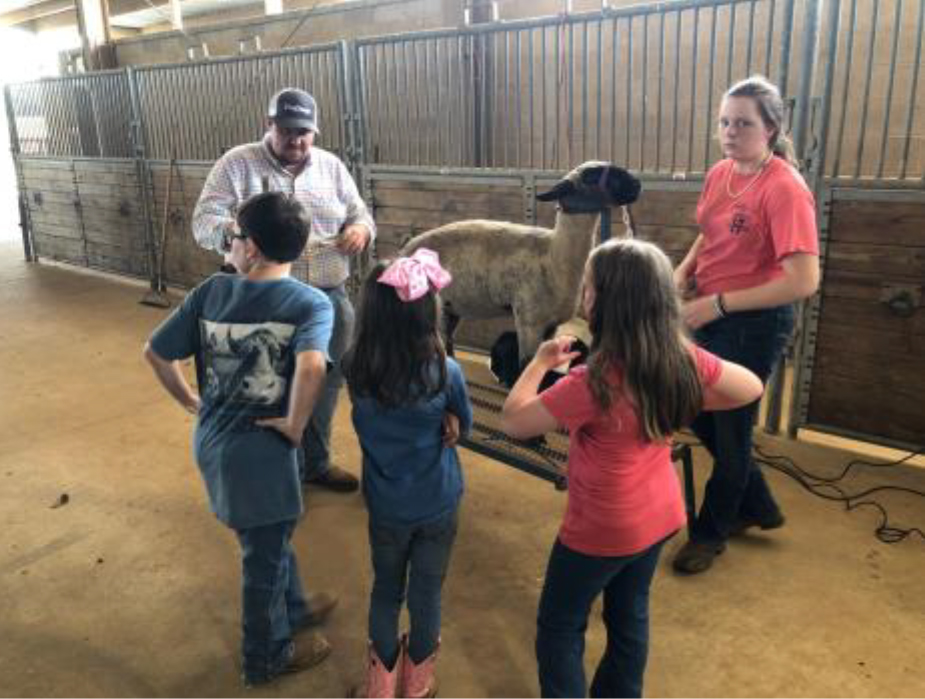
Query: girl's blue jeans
x=737 y=489
x=408 y=560
x=573 y=581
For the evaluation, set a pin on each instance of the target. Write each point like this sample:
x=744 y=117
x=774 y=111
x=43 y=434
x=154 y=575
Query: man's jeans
x=315 y=455
x=273 y=601
x=418 y=556
x=737 y=489
x=573 y=582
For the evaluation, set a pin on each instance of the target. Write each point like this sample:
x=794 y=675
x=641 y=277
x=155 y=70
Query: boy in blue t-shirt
x=260 y=342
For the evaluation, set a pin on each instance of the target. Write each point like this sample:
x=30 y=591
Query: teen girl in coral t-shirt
x=756 y=255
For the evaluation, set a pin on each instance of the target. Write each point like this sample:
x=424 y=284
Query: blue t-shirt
x=409 y=476
x=244 y=335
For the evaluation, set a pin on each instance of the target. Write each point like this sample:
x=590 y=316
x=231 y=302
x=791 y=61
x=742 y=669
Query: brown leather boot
x=336 y=479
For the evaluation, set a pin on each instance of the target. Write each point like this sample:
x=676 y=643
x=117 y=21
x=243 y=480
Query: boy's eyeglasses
x=240 y=235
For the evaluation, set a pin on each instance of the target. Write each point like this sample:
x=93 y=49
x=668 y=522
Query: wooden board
x=665 y=208
x=879 y=222
x=63 y=249
x=868 y=375
x=868 y=406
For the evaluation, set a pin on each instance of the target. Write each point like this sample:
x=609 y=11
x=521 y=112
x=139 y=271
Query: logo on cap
x=294 y=108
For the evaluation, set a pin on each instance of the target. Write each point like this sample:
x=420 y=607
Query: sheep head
x=592 y=187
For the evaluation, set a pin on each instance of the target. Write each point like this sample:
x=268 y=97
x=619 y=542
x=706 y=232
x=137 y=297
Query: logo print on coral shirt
x=740 y=222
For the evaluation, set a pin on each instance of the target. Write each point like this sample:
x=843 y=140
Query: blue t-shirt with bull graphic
x=244 y=336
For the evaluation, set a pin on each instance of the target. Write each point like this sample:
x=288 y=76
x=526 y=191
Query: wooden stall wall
x=87 y=212
x=185 y=263
x=406 y=208
x=869 y=373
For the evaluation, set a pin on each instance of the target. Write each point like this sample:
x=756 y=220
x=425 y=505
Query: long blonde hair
x=635 y=322
x=771 y=108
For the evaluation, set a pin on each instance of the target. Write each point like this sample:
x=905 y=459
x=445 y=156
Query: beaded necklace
x=761 y=170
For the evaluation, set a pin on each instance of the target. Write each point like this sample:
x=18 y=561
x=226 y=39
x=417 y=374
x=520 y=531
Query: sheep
x=500 y=267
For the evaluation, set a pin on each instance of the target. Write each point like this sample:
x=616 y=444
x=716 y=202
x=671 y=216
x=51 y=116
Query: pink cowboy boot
x=417 y=680
x=380 y=682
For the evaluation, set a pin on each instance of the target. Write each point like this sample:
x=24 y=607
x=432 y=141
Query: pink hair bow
x=413 y=276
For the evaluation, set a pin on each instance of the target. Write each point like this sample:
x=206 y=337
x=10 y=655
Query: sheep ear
x=624 y=187
x=561 y=189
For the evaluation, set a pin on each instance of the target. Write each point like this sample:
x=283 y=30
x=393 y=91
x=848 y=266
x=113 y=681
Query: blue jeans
x=315 y=455
x=573 y=582
x=737 y=489
x=273 y=602
x=413 y=559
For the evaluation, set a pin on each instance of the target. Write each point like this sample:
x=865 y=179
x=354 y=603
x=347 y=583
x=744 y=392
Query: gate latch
x=901 y=299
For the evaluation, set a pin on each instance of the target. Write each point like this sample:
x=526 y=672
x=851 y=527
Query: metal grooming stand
x=544 y=457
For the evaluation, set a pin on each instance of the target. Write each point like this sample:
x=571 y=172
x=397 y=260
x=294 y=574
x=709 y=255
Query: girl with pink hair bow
x=410 y=406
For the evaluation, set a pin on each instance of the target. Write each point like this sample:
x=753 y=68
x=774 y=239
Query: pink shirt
x=746 y=237
x=623 y=493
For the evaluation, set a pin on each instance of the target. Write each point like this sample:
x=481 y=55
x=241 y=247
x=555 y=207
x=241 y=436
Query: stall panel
x=112 y=215
x=868 y=378
x=185 y=264
x=53 y=206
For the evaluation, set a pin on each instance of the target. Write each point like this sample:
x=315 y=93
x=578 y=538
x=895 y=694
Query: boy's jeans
x=419 y=555
x=315 y=454
x=573 y=582
x=273 y=602
x=737 y=489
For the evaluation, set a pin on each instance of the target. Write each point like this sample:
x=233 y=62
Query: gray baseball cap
x=292 y=108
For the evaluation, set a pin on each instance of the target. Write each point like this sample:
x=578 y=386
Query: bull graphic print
x=246 y=363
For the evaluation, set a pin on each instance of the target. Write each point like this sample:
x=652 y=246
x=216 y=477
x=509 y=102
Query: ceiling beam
x=93 y=22
x=35 y=12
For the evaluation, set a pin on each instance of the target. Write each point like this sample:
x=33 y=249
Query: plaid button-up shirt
x=324 y=187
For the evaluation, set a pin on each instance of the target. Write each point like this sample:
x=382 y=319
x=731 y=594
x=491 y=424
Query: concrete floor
x=131 y=588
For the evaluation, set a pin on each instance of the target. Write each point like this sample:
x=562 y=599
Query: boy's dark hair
x=635 y=322
x=276 y=223
x=398 y=355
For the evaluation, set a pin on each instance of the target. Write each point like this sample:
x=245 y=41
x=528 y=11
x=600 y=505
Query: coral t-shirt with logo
x=746 y=237
x=623 y=492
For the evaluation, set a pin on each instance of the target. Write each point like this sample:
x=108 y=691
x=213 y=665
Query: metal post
x=351 y=99
x=786 y=37
x=806 y=349
x=143 y=174
x=807 y=55
x=27 y=246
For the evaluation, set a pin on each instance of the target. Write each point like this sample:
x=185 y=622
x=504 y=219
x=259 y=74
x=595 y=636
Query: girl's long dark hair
x=636 y=327
x=397 y=356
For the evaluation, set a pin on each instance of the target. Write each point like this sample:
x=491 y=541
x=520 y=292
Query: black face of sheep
x=594 y=189
x=507 y=366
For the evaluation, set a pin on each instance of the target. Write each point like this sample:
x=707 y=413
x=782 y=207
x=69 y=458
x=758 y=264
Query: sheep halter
x=412 y=277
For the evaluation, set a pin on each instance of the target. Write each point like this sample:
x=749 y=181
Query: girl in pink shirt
x=757 y=253
x=643 y=381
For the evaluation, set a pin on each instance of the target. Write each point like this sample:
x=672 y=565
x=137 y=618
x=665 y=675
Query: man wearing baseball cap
x=287 y=160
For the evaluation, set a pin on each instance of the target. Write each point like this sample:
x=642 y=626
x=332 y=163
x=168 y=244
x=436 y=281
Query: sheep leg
x=529 y=334
x=451 y=320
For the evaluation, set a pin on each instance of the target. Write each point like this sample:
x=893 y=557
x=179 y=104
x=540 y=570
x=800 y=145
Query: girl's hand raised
x=557 y=351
